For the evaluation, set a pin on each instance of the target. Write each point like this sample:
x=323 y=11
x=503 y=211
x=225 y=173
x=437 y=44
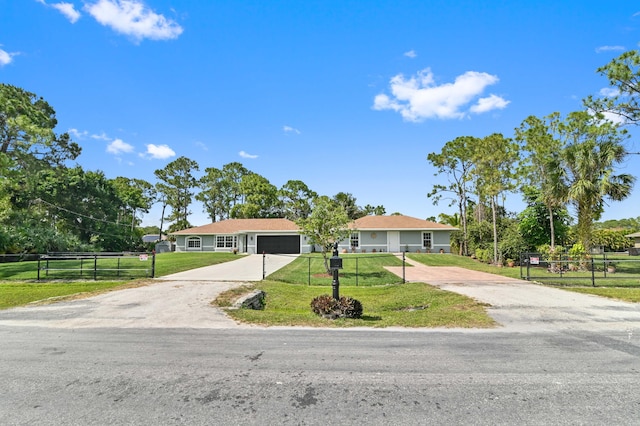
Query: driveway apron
x=520 y=305
x=180 y=300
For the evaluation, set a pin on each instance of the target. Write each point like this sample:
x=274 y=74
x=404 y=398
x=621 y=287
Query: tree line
x=557 y=163
x=47 y=204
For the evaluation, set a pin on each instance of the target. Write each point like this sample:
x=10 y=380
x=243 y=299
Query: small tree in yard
x=328 y=223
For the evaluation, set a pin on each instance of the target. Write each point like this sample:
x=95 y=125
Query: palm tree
x=594 y=150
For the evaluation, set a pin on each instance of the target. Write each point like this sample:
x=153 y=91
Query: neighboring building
x=635 y=250
x=370 y=234
x=151 y=238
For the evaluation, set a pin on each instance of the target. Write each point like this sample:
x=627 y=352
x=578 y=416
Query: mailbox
x=335 y=262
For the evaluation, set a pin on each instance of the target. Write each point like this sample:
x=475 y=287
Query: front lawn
x=358 y=270
x=20 y=292
x=397 y=305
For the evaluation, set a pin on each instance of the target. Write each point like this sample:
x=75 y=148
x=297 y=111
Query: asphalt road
x=316 y=377
x=162 y=355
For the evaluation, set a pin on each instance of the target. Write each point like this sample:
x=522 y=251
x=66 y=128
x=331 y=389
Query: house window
x=426 y=240
x=226 y=241
x=193 y=243
x=355 y=240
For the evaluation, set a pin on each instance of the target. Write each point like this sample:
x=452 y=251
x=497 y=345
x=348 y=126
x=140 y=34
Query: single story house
x=635 y=250
x=369 y=234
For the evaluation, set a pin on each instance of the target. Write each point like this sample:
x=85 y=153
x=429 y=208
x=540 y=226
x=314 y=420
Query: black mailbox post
x=335 y=264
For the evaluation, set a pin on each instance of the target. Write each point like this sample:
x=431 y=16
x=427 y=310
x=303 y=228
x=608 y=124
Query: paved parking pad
x=520 y=305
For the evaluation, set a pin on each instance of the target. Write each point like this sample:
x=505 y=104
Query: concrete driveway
x=180 y=300
x=245 y=268
x=520 y=305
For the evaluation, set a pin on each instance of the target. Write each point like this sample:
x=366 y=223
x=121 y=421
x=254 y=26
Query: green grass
x=398 y=305
x=171 y=263
x=358 y=270
x=18 y=292
x=463 y=262
x=626 y=294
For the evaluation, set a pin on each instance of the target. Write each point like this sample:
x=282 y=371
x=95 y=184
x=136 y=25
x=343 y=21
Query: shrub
x=350 y=307
x=324 y=305
x=345 y=307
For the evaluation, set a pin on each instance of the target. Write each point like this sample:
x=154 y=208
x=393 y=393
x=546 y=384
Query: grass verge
x=18 y=293
x=396 y=305
x=625 y=294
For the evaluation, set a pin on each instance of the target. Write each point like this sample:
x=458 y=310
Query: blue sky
x=344 y=95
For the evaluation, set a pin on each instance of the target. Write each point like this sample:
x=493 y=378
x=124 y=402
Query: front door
x=393 y=241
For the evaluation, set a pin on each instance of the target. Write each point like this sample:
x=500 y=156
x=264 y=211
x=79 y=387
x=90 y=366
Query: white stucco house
x=369 y=234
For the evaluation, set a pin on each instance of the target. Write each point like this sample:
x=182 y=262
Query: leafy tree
x=328 y=223
x=536 y=226
x=176 y=184
x=295 y=199
x=232 y=174
x=348 y=203
x=370 y=210
x=136 y=194
x=623 y=74
x=260 y=198
x=456 y=162
x=612 y=240
x=494 y=157
x=541 y=165
x=632 y=224
x=27 y=130
x=212 y=194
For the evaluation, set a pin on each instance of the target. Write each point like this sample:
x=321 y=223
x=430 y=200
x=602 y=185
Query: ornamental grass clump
x=328 y=307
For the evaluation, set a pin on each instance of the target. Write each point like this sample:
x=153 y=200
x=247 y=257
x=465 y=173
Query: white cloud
x=118 y=146
x=68 y=10
x=609 y=92
x=133 y=18
x=77 y=133
x=202 y=146
x=609 y=49
x=419 y=98
x=410 y=54
x=614 y=118
x=159 y=152
x=102 y=136
x=488 y=104
x=289 y=129
x=5 y=57
x=246 y=155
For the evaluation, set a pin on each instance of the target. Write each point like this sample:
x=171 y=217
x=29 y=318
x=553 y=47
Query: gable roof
x=378 y=223
x=398 y=222
x=634 y=235
x=232 y=226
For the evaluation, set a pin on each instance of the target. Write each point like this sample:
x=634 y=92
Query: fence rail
x=357 y=270
x=603 y=269
x=74 y=265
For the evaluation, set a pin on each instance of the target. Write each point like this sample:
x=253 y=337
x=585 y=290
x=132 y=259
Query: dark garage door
x=286 y=244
